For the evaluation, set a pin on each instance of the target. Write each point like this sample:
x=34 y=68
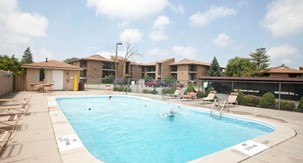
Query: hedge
x=268 y=101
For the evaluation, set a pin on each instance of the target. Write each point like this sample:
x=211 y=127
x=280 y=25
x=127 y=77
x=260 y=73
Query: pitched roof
x=97 y=58
x=52 y=64
x=164 y=60
x=282 y=70
x=190 y=62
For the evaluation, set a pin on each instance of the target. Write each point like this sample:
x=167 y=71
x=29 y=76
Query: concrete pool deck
x=35 y=140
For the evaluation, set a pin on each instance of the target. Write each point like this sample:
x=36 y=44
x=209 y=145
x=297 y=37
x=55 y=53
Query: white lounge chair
x=5 y=137
x=210 y=97
x=175 y=95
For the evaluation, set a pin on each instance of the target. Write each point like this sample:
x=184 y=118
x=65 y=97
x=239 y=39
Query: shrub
x=189 y=88
x=268 y=101
x=300 y=106
x=169 y=90
x=121 y=89
x=200 y=94
x=240 y=97
x=148 y=78
x=250 y=100
x=146 y=91
x=287 y=105
x=108 y=79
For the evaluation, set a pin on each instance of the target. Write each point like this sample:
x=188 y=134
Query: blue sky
x=160 y=29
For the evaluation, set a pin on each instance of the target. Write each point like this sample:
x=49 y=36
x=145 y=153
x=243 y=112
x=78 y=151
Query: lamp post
x=116 y=62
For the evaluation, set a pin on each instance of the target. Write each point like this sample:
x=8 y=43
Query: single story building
x=60 y=74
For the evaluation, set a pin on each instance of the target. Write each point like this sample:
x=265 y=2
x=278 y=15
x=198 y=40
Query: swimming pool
x=131 y=129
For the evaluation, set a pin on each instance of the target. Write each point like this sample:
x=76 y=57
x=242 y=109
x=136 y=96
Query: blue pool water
x=131 y=129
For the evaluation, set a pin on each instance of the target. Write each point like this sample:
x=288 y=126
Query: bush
x=300 y=106
x=287 y=105
x=148 y=78
x=121 y=89
x=240 y=97
x=146 y=91
x=250 y=100
x=208 y=90
x=268 y=101
x=169 y=90
x=200 y=94
x=169 y=79
x=189 y=88
x=108 y=79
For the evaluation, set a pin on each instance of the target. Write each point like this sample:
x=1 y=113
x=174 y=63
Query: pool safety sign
x=68 y=142
x=250 y=147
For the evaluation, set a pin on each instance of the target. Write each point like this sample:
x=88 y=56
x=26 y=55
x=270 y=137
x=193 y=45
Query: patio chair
x=189 y=97
x=14 y=109
x=210 y=97
x=5 y=137
x=231 y=100
x=10 y=120
x=175 y=95
x=12 y=101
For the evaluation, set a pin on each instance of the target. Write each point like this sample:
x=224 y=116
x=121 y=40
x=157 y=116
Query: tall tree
x=68 y=60
x=10 y=64
x=240 y=67
x=260 y=58
x=27 y=56
x=131 y=51
x=215 y=69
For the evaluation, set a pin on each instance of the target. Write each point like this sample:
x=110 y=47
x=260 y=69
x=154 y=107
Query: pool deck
x=35 y=140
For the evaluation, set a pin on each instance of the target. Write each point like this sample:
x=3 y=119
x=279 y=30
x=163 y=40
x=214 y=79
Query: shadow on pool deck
x=35 y=140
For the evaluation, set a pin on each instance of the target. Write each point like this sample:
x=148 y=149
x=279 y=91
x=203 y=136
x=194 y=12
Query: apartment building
x=282 y=72
x=96 y=67
x=186 y=69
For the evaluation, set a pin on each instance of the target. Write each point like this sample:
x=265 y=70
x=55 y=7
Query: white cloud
x=127 y=10
x=131 y=35
x=177 y=9
x=201 y=19
x=17 y=27
x=158 y=36
x=161 y=22
x=222 y=40
x=186 y=52
x=284 y=17
x=282 y=51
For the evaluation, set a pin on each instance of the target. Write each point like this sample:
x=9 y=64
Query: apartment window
x=192 y=68
x=108 y=65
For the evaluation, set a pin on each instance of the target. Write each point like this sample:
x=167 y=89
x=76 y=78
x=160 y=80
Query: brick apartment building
x=96 y=67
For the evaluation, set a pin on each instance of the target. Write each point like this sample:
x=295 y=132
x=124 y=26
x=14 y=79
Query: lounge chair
x=5 y=137
x=14 y=109
x=231 y=100
x=10 y=120
x=175 y=95
x=210 y=97
x=9 y=102
x=189 y=97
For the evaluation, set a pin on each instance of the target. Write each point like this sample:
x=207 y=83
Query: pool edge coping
x=279 y=135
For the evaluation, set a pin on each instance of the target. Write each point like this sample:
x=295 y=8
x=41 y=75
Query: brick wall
x=94 y=72
x=136 y=71
x=165 y=72
x=6 y=85
x=182 y=72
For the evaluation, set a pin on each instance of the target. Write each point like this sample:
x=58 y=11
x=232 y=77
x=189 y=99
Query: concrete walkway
x=35 y=140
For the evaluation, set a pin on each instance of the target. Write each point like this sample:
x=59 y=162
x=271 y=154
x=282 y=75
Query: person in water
x=110 y=97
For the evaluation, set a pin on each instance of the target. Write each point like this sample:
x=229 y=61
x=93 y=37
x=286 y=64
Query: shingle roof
x=282 y=70
x=52 y=64
x=97 y=58
x=190 y=62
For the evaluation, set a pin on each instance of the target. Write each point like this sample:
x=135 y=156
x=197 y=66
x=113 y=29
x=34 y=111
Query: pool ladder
x=214 y=105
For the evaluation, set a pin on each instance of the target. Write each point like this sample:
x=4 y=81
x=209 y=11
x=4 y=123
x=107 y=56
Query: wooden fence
x=19 y=82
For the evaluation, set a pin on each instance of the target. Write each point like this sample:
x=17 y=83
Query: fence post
x=279 y=95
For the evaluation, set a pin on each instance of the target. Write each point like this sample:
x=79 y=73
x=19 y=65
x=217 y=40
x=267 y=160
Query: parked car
x=152 y=83
x=172 y=83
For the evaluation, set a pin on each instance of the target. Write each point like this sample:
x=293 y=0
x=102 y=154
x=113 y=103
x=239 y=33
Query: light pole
x=116 y=62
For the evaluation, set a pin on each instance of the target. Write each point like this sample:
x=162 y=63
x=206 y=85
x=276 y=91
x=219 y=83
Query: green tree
x=240 y=67
x=10 y=64
x=69 y=60
x=27 y=56
x=215 y=69
x=260 y=58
